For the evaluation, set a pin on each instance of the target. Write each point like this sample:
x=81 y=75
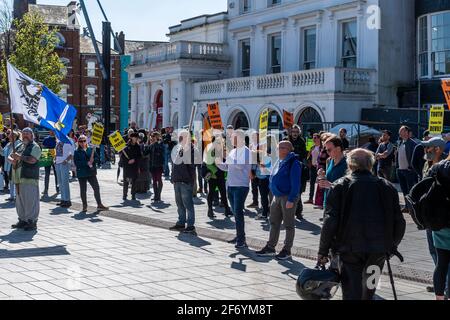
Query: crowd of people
x=363 y=220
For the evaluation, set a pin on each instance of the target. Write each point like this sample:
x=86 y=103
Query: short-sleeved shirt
x=16 y=173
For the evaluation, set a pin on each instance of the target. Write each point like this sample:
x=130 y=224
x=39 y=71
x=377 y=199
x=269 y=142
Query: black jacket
x=418 y=160
x=410 y=145
x=130 y=171
x=299 y=148
x=181 y=171
x=363 y=215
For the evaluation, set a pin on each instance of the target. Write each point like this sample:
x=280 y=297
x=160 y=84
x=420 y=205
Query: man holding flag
x=40 y=106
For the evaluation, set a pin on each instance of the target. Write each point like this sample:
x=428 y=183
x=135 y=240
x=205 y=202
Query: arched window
x=61 y=41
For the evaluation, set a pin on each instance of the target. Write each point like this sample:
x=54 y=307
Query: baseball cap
x=434 y=142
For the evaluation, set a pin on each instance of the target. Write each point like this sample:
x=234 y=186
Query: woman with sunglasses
x=85 y=160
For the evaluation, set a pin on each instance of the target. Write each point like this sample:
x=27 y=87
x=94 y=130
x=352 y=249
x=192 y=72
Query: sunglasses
x=82 y=141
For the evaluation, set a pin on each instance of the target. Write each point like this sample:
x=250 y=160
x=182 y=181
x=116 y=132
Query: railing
x=181 y=50
x=361 y=81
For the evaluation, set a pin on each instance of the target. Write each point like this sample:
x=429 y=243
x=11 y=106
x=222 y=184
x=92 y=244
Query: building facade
x=322 y=60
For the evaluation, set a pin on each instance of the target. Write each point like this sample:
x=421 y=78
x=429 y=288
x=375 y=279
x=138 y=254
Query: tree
x=34 y=53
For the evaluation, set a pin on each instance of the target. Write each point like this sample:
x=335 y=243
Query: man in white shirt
x=64 y=156
x=238 y=165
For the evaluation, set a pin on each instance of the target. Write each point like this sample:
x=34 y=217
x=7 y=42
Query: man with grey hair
x=363 y=226
x=26 y=178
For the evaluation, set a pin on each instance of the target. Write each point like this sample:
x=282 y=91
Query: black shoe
x=125 y=198
x=241 y=245
x=133 y=198
x=31 y=226
x=19 y=225
x=211 y=214
x=177 y=227
x=66 y=204
x=300 y=217
x=253 y=205
x=266 y=252
x=228 y=213
x=284 y=255
x=430 y=289
x=190 y=230
x=234 y=241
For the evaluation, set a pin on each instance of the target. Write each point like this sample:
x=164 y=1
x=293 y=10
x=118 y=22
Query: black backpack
x=429 y=202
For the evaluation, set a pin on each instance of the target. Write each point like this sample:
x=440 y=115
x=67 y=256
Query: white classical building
x=323 y=60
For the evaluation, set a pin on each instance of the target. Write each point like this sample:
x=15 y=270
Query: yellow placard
x=117 y=141
x=97 y=134
x=264 y=120
x=2 y=126
x=437 y=113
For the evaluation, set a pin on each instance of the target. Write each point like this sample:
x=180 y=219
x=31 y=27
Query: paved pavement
x=89 y=256
x=418 y=265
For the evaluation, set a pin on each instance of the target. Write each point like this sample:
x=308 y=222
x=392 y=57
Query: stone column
x=182 y=105
x=134 y=111
x=147 y=103
x=166 y=104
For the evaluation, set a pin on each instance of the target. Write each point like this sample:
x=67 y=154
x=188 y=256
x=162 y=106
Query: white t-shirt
x=63 y=151
x=239 y=166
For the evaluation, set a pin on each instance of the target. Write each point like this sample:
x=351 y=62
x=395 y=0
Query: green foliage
x=34 y=52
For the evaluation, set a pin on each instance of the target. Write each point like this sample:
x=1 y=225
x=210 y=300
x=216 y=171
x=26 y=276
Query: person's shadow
x=248 y=255
x=58 y=211
x=18 y=236
x=308 y=226
x=93 y=217
x=194 y=241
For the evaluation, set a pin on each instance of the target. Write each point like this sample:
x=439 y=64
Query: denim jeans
x=184 y=201
x=166 y=160
x=237 y=196
x=63 y=173
x=407 y=180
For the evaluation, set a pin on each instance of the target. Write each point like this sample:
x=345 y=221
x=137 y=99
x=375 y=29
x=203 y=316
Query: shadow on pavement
x=93 y=217
x=129 y=203
x=194 y=241
x=18 y=236
x=57 y=211
x=34 y=252
x=294 y=268
x=249 y=255
x=308 y=226
x=8 y=205
x=225 y=224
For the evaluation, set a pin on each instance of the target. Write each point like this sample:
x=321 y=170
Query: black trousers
x=255 y=194
x=312 y=182
x=47 y=177
x=220 y=184
x=264 y=191
x=95 y=186
x=441 y=274
x=359 y=281
x=126 y=184
x=6 y=179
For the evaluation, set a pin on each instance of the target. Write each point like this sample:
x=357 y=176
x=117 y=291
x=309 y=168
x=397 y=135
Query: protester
x=322 y=165
x=156 y=153
x=405 y=173
x=285 y=185
x=254 y=148
x=337 y=166
x=238 y=165
x=299 y=145
x=64 y=156
x=7 y=151
x=85 y=161
x=447 y=146
x=183 y=179
x=74 y=140
x=372 y=145
x=143 y=179
x=50 y=144
x=129 y=158
x=343 y=136
x=385 y=156
x=26 y=178
x=262 y=171
x=363 y=226
x=215 y=177
x=313 y=164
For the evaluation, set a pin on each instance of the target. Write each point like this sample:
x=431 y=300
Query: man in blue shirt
x=447 y=147
x=50 y=144
x=285 y=185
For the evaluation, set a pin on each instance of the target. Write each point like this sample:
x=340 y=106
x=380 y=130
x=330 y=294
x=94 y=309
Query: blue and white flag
x=39 y=105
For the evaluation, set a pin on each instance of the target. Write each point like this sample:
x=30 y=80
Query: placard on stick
x=214 y=116
x=97 y=134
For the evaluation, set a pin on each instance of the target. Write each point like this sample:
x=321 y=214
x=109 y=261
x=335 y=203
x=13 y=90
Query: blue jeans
x=407 y=180
x=166 y=160
x=184 y=201
x=237 y=196
x=63 y=173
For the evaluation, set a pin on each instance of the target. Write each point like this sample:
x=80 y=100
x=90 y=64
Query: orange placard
x=446 y=90
x=288 y=119
x=214 y=116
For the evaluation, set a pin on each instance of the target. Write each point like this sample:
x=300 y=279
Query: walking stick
x=391 y=276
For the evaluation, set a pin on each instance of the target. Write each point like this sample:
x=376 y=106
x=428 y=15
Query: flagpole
x=11 y=116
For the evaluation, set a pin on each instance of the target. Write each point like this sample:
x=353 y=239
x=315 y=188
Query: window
x=244 y=47
x=91 y=66
x=349 y=44
x=60 y=41
x=91 y=95
x=66 y=63
x=440 y=43
x=272 y=3
x=309 y=52
x=423 y=46
x=246 y=6
x=63 y=93
x=275 y=53
x=112 y=96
